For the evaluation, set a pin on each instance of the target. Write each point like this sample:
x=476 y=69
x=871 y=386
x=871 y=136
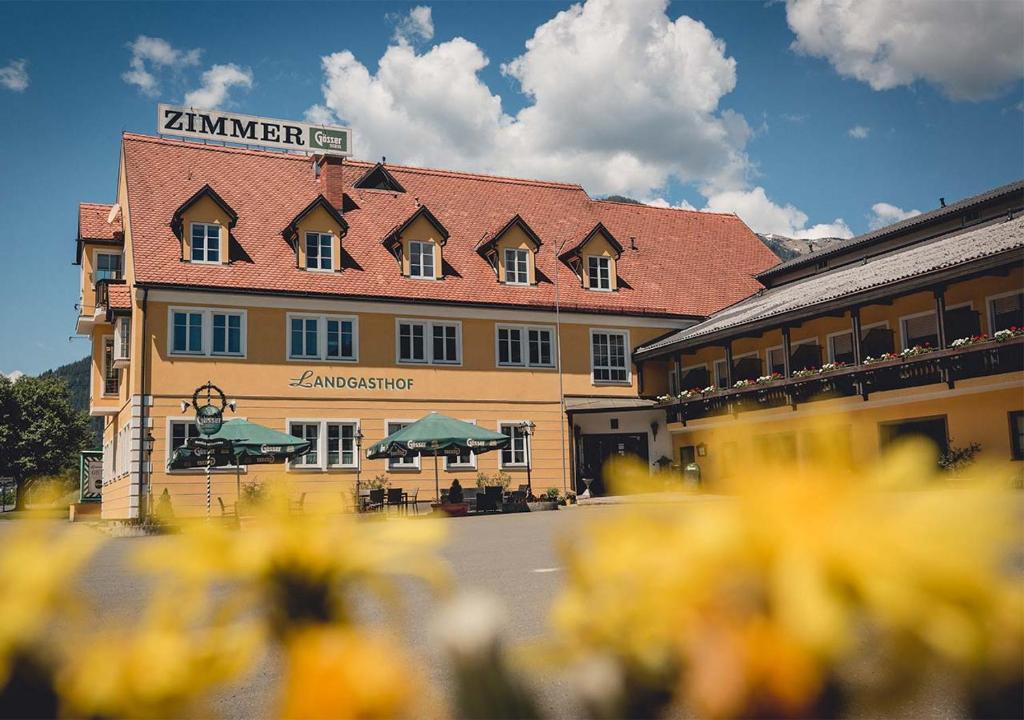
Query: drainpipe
x=142 y=412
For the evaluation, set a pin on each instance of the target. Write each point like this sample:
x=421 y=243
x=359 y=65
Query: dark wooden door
x=595 y=451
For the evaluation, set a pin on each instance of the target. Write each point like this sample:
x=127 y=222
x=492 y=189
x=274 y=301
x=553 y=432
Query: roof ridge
x=697 y=211
x=354 y=161
x=96 y=204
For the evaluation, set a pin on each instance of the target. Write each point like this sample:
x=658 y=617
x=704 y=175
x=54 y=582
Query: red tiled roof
x=92 y=222
x=686 y=262
x=119 y=297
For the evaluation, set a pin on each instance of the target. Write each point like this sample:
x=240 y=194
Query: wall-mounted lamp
x=654 y=430
x=185 y=405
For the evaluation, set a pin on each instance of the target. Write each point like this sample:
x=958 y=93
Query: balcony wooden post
x=786 y=350
x=940 y=315
x=858 y=353
x=728 y=363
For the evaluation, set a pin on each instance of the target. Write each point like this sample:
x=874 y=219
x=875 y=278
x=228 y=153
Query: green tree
x=40 y=432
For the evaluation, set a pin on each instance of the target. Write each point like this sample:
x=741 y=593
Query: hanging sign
x=188 y=122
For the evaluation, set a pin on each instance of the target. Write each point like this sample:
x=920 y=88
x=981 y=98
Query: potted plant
x=548 y=501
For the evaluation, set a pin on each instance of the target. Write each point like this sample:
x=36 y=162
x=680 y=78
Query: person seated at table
x=455 y=492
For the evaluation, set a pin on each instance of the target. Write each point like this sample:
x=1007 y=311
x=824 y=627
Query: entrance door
x=595 y=451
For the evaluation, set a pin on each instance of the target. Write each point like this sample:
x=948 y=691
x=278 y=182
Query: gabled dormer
x=315 y=235
x=417 y=244
x=378 y=178
x=203 y=225
x=511 y=252
x=594 y=259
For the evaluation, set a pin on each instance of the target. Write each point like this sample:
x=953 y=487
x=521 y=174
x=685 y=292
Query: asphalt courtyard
x=513 y=558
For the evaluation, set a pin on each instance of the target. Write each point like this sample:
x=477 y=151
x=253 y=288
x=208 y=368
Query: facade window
x=204 y=331
x=111 y=377
x=609 y=356
x=107 y=266
x=188 y=332
x=466 y=460
x=840 y=348
x=205 y=243
x=515 y=455
x=920 y=330
x=599 y=271
x=1017 y=435
x=1006 y=312
x=181 y=432
x=933 y=429
x=123 y=338
x=421 y=259
x=538 y=350
x=777 y=361
x=323 y=337
x=319 y=251
x=409 y=462
x=227 y=333
x=444 y=348
x=341 y=445
x=721 y=374
x=516 y=266
x=310 y=432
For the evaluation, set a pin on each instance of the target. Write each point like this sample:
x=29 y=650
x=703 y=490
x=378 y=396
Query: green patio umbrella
x=238 y=442
x=436 y=435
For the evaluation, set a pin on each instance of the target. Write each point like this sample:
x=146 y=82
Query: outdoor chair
x=376 y=500
x=296 y=506
x=411 y=500
x=395 y=498
x=225 y=510
x=469 y=496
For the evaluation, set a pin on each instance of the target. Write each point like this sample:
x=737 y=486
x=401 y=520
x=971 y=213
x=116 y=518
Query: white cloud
x=151 y=54
x=417 y=25
x=14 y=75
x=621 y=99
x=763 y=215
x=859 y=132
x=883 y=214
x=217 y=84
x=969 y=50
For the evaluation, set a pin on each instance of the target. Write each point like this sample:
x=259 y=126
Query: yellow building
x=912 y=329
x=333 y=298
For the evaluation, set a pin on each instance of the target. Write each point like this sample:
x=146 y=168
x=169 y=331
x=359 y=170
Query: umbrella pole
x=437 y=482
x=209 y=482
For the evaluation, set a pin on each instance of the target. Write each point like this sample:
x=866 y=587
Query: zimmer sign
x=251 y=130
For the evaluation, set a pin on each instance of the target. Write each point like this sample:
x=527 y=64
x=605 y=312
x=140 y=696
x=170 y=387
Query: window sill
x=339 y=361
x=404 y=469
x=612 y=383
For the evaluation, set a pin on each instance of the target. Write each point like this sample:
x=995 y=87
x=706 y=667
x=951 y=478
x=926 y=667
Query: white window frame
x=428 y=341
x=725 y=361
x=989 y=315
x=683 y=369
x=330 y=244
x=721 y=381
x=122 y=344
x=413 y=466
x=206 y=244
x=515 y=265
x=792 y=348
x=608 y=263
x=321 y=444
x=433 y=261
x=911 y=316
x=450 y=466
x=169 y=422
x=768 y=358
x=206 y=349
x=105 y=369
x=527 y=448
x=108 y=253
x=628 y=356
x=321 y=338
x=524 y=350
x=849 y=330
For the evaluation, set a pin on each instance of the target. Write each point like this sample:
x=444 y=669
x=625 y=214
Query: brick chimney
x=331 y=184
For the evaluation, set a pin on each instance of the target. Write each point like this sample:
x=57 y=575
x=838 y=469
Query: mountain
x=76 y=375
x=788 y=248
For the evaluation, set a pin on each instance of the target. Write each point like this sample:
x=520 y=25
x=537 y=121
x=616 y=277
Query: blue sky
x=760 y=109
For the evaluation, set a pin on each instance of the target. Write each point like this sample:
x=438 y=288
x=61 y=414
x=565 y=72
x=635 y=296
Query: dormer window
x=205 y=243
x=421 y=259
x=319 y=251
x=517 y=266
x=599 y=272
x=594 y=258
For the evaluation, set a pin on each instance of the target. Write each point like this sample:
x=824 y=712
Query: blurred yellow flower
x=757 y=603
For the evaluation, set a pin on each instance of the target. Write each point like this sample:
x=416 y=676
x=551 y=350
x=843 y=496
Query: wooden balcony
x=938 y=366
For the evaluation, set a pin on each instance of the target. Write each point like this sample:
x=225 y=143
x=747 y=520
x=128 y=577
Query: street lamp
x=359 y=464
x=147 y=446
x=527 y=430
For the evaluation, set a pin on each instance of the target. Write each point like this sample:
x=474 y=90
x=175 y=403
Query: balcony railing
x=978 y=359
x=103 y=291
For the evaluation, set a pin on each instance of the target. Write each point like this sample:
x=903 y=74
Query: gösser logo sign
x=251 y=130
